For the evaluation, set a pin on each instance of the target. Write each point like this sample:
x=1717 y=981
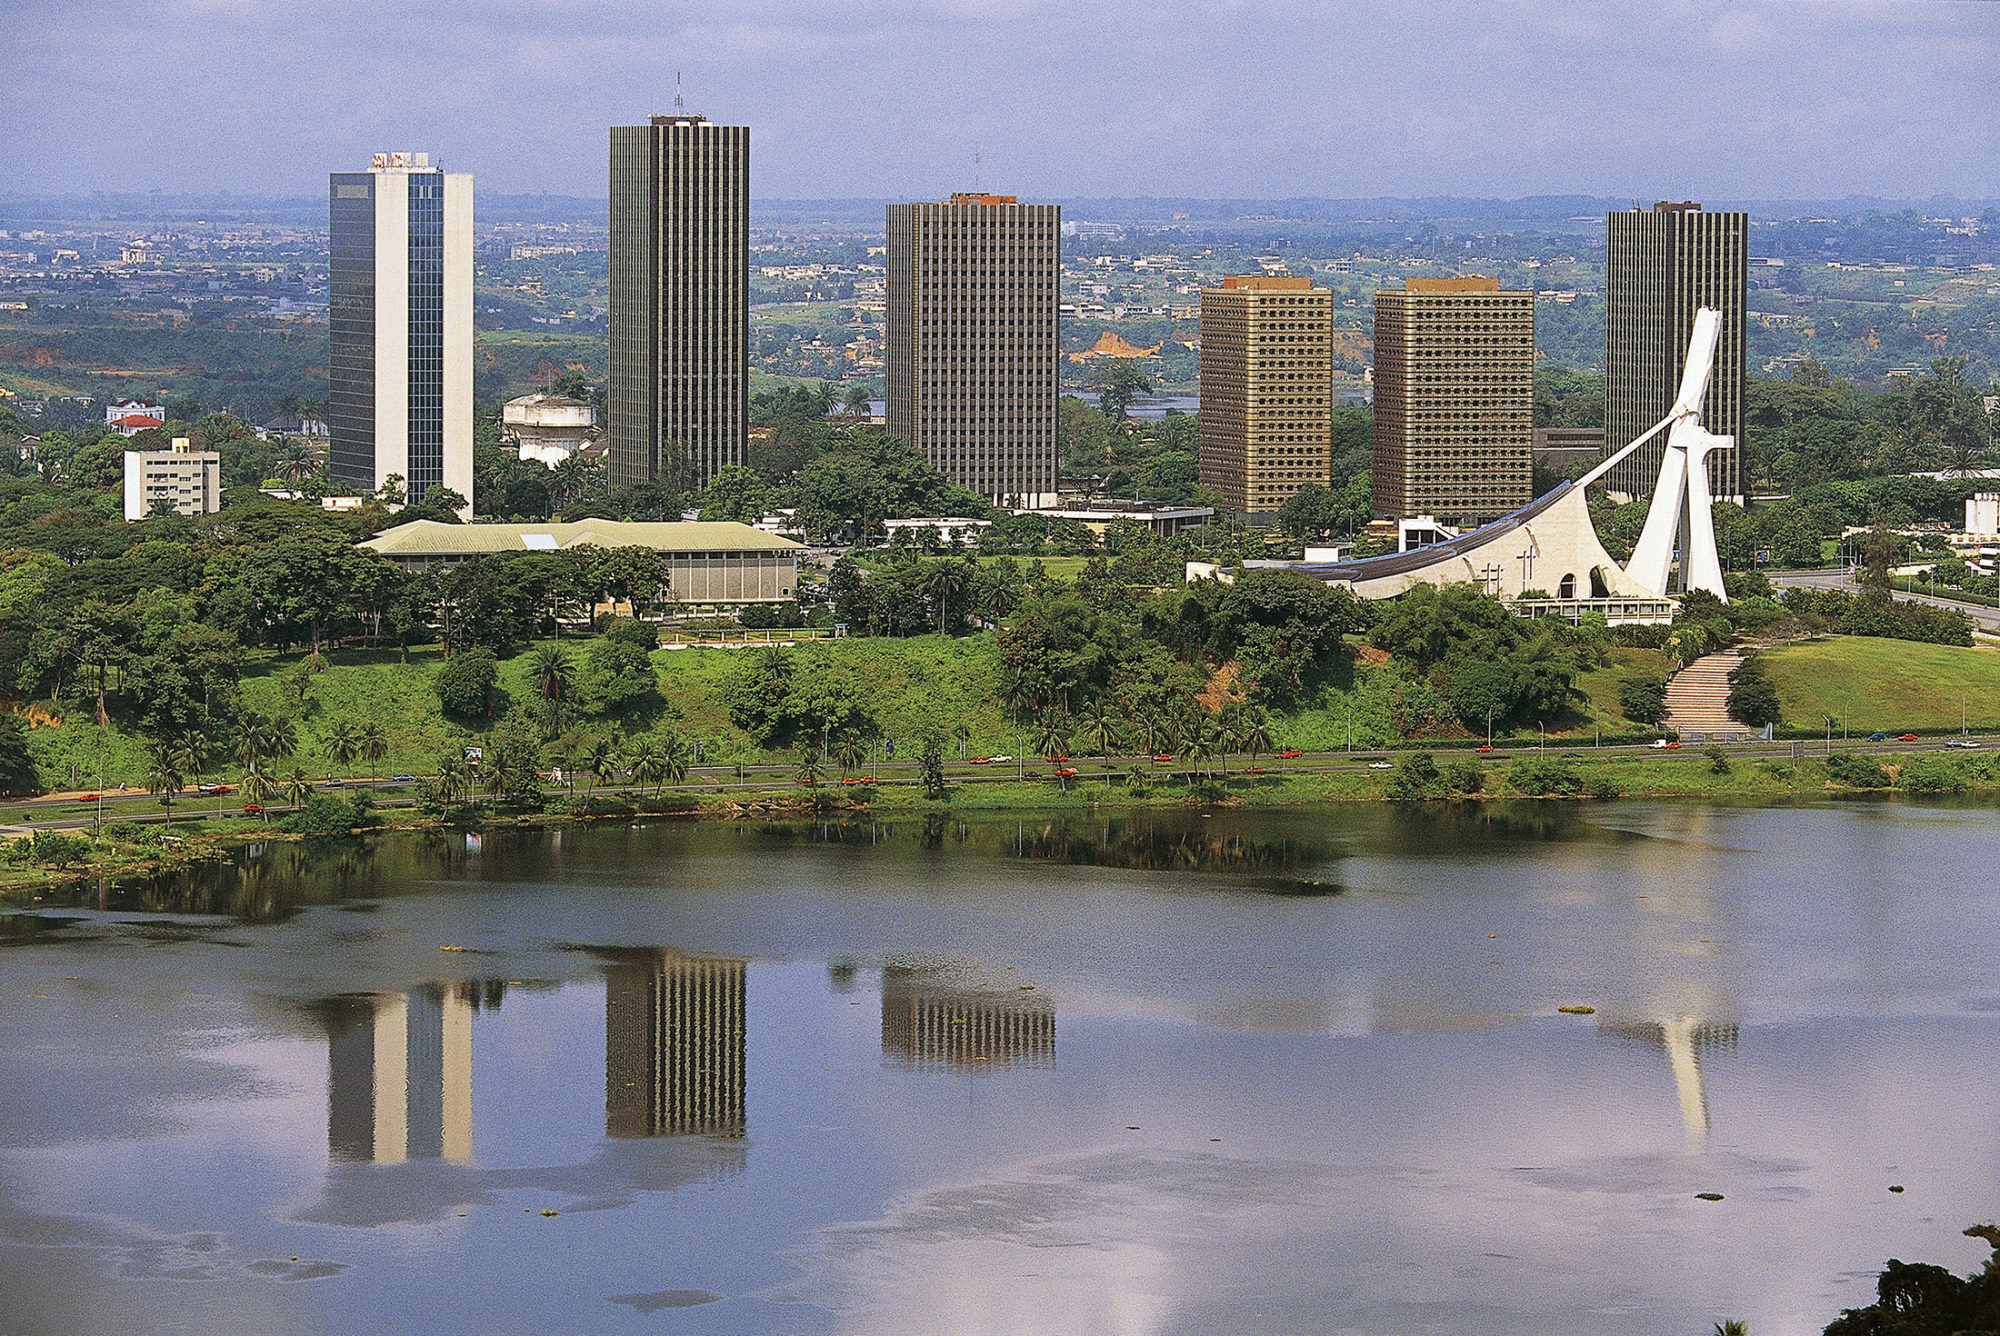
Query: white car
x=1381 y=765
x=1658 y=744
x=999 y=758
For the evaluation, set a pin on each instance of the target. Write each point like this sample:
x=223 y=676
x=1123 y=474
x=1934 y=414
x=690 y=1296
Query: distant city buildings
x=1454 y=400
x=1661 y=265
x=129 y=417
x=548 y=428
x=971 y=350
x=185 y=480
x=679 y=390
x=674 y=1046
x=1266 y=389
x=400 y=326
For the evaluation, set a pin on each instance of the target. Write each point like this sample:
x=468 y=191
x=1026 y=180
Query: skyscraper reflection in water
x=399 y=1074
x=673 y=1045
x=929 y=1023
x=1684 y=1039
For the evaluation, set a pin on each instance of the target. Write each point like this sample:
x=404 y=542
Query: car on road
x=1878 y=737
x=998 y=759
x=1571 y=756
x=1663 y=744
x=1907 y=737
x=86 y=797
x=215 y=790
x=1289 y=754
x=1485 y=747
x=252 y=809
x=1164 y=756
x=1065 y=772
x=335 y=782
x=980 y=760
x=1962 y=744
x=1381 y=765
x=402 y=779
x=1253 y=769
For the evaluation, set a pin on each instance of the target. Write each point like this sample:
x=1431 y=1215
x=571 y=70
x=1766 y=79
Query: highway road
x=1985 y=619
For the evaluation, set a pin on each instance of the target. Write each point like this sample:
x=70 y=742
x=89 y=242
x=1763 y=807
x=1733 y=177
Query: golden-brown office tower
x=1266 y=389
x=678 y=392
x=971 y=356
x=1454 y=399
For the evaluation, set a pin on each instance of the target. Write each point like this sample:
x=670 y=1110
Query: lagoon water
x=1293 y=1072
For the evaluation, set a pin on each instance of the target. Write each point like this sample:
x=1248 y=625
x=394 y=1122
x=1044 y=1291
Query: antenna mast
x=678 y=108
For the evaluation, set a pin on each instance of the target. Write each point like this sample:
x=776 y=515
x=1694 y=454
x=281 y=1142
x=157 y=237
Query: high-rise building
x=678 y=407
x=1454 y=400
x=673 y=1045
x=400 y=296
x=972 y=347
x=1266 y=389
x=1662 y=265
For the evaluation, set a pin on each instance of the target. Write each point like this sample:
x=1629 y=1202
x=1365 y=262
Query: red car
x=1055 y=760
x=86 y=797
x=1486 y=747
x=252 y=809
x=1907 y=737
x=803 y=779
x=850 y=781
x=981 y=760
x=1253 y=769
x=1065 y=772
x=1164 y=756
x=1289 y=754
x=868 y=779
x=1673 y=746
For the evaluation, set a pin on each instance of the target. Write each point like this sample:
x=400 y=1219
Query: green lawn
x=1891 y=685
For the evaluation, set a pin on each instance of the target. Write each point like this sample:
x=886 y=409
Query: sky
x=1234 y=99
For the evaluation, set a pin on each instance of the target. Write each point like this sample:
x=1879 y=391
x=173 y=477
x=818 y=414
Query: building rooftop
x=427 y=538
x=1451 y=285
x=1267 y=283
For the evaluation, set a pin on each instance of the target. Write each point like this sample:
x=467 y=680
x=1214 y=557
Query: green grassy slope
x=1885 y=684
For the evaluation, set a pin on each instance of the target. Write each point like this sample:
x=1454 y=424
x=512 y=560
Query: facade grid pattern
x=674 y=1047
x=351 y=327
x=1454 y=400
x=426 y=261
x=678 y=399
x=1661 y=266
x=1266 y=389
x=972 y=346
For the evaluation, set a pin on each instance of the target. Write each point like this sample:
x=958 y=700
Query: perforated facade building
x=1454 y=400
x=1266 y=389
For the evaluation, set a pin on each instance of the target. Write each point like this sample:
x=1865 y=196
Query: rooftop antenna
x=975 y=171
x=677 y=93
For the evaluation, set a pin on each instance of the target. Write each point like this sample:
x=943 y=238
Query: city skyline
x=1814 y=99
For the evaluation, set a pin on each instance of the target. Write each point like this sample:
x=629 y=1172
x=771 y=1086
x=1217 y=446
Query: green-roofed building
x=707 y=564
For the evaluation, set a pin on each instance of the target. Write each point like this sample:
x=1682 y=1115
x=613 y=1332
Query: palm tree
x=1052 y=735
x=1199 y=744
x=164 y=777
x=281 y=739
x=552 y=673
x=944 y=581
x=1255 y=736
x=674 y=759
x=452 y=778
x=811 y=766
x=257 y=791
x=964 y=735
x=297 y=460
x=1157 y=736
x=849 y=753
x=643 y=761
x=343 y=744
x=1736 y=1326
x=374 y=745
x=297 y=787
x=1101 y=733
x=600 y=758
x=253 y=744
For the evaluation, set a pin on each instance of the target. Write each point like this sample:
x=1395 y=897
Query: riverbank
x=50 y=859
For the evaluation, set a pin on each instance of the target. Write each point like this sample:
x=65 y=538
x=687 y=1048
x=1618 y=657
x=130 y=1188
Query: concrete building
x=548 y=428
x=1099 y=513
x=132 y=416
x=704 y=564
x=678 y=405
x=399 y=273
x=1266 y=389
x=1454 y=400
x=1560 y=449
x=972 y=345
x=188 y=480
x=1662 y=265
x=1982 y=515
x=674 y=1046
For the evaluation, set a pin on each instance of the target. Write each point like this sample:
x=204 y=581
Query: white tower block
x=1683 y=480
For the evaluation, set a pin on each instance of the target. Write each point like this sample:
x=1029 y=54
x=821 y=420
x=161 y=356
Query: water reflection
x=673 y=1045
x=399 y=1073
x=1685 y=1039
x=928 y=1023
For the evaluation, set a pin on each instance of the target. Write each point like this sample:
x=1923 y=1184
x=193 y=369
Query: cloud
x=1757 y=98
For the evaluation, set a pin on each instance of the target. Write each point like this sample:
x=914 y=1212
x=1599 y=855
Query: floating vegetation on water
x=1578 y=1011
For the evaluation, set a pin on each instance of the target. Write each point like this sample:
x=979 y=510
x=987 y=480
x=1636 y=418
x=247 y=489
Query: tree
x=1752 y=699
x=297 y=788
x=644 y=761
x=343 y=745
x=943 y=581
x=811 y=764
x=552 y=674
x=600 y=758
x=849 y=753
x=1118 y=383
x=258 y=790
x=466 y=683
x=17 y=767
x=1643 y=699
x=164 y=777
x=1052 y=733
x=930 y=766
x=373 y=745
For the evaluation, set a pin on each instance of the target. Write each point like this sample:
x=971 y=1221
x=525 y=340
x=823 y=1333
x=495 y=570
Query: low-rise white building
x=1099 y=513
x=189 y=480
x=548 y=428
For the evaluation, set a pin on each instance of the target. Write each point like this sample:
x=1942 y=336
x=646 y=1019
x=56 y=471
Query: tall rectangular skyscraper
x=679 y=394
x=972 y=347
x=1266 y=389
x=1454 y=400
x=1662 y=265
x=399 y=269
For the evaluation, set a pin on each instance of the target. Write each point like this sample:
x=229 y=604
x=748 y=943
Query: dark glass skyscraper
x=400 y=296
x=679 y=393
x=972 y=341
x=1662 y=265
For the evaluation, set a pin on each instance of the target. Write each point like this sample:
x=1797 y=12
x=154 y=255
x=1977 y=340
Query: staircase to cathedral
x=1698 y=696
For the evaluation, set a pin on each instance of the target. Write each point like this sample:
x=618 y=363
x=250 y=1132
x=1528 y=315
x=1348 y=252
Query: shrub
x=466 y=683
x=1602 y=786
x=1752 y=698
x=1933 y=774
x=1643 y=699
x=59 y=848
x=326 y=814
x=1462 y=778
x=1718 y=761
x=1540 y=778
x=1856 y=772
x=1415 y=779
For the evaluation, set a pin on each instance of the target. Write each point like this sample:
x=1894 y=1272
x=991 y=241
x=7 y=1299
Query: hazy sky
x=1219 y=98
